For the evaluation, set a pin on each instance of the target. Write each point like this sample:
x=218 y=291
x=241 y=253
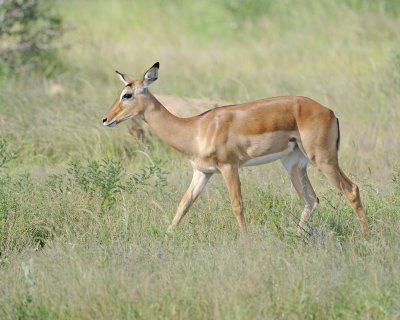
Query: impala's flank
x=295 y=130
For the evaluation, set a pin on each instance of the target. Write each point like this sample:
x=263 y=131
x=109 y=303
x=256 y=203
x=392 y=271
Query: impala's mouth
x=110 y=123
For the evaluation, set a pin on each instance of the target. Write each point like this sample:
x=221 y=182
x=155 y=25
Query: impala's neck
x=175 y=131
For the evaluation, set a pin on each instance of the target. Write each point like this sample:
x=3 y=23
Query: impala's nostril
x=104 y=120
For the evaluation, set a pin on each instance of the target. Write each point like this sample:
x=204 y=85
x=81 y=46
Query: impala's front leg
x=232 y=181
x=197 y=185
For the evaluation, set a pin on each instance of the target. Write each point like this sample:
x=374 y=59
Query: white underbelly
x=271 y=156
x=267 y=158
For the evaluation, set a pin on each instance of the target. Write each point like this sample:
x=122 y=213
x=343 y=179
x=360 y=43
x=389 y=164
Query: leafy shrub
x=104 y=178
x=101 y=177
x=153 y=175
x=28 y=30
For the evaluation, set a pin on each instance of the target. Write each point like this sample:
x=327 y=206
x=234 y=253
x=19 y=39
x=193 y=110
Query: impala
x=295 y=130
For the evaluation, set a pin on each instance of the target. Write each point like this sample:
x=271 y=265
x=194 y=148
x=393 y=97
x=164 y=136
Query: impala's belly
x=267 y=158
x=209 y=165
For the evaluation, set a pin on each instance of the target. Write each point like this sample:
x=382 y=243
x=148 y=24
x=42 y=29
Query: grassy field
x=84 y=209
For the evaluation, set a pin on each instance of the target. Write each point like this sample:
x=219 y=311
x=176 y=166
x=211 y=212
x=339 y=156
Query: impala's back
x=261 y=127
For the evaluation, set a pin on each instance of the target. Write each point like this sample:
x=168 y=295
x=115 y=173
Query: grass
x=84 y=209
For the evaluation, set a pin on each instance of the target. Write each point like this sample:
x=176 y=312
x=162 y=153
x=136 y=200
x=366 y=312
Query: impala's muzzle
x=107 y=123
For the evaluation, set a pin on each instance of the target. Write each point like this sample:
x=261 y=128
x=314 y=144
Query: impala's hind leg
x=321 y=147
x=306 y=193
x=348 y=188
x=296 y=165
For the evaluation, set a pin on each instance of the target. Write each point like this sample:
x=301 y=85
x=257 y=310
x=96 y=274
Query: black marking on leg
x=338 y=137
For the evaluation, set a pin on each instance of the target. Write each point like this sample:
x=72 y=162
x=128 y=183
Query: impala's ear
x=124 y=78
x=151 y=75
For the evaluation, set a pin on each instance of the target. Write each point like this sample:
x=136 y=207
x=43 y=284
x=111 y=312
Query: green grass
x=84 y=209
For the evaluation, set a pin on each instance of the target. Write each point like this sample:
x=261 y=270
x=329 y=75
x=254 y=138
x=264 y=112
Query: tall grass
x=88 y=262
x=84 y=209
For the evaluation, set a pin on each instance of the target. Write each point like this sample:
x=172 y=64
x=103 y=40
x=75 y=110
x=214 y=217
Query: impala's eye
x=127 y=96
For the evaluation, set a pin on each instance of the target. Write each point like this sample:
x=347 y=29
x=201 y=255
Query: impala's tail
x=338 y=134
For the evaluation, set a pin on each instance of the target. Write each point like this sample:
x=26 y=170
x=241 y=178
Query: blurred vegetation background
x=83 y=209
x=344 y=54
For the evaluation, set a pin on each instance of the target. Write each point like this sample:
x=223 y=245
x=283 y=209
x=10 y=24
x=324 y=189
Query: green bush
x=104 y=178
x=29 y=33
x=101 y=177
x=152 y=176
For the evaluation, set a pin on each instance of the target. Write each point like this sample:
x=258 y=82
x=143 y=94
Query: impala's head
x=132 y=99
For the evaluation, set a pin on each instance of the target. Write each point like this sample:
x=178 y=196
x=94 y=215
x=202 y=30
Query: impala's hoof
x=170 y=229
